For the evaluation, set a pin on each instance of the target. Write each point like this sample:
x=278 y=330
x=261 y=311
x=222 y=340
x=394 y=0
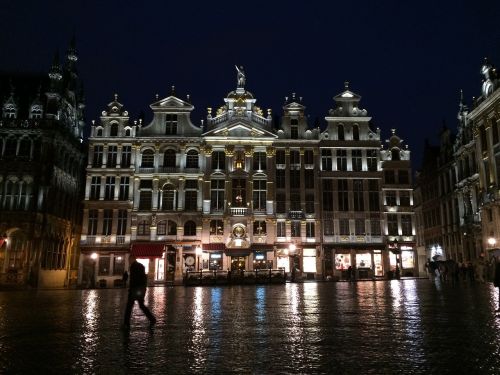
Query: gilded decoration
x=270 y=151
x=248 y=151
x=230 y=150
x=207 y=150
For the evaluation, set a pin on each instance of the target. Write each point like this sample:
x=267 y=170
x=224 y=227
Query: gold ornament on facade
x=258 y=110
x=248 y=151
x=221 y=110
x=270 y=151
x=207 y=150
x=230 y=151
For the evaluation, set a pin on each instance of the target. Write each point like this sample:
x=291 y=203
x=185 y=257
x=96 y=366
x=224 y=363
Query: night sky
x=407 y=61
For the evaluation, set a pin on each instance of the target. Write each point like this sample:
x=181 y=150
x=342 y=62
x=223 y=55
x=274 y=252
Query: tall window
x=161 y=228
x=344 y=227
x=218 y=160
x=97 y=156
x=310 y=203
x=340 y=131
x=309 y=178
x=107 y=222
x=295 y=228
x=375 y=227
x=190 y=228
x=280 y=178
x=217 y=195
x=192 y=159
x=259 y=161
x=280 y=203
x=406 y=226
x=308 y=157
x=355 y=132
x=239 y=193
x=171 y=124
x=389 y=177
x=259 y=195
x=280 y=229
x=404 y=198
x=191 y=195
x=126 y=155
x=121 y=229
x=357 y=160
x=403 y=176
x=124 y=188
x=92 y=225
x=113 y=132
x=109 y=191
x=372 y=160
x=280 y=157
x=148 y=158
x=143 y=228
x=112 y=154
x=295 y=158
x=168 y=198
x=343 y=193
x=326 y=160
x=171 y=228
x=10 y=193
x=310 y=229
x=169 y=159
x=24 y=148
x=216 y=227
x=145 y=198
x=359 y=227
x=373 y=195
x=295 y=179
x=342 y=160
x=359 y=204
x=392 y=225
x=259 y=228
x=390 y=198
x=328 y=227
x=327 y=195
x=295 y=202
x=294 y=128
x=95 y=188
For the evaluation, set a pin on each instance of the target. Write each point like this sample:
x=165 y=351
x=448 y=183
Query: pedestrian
x=137 y=291
x=349 y=273
x=125 y=278
x=496 y=281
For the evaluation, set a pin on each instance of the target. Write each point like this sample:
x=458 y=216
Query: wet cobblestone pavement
x=386 y=327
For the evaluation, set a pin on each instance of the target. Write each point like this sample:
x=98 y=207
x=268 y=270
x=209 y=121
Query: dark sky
x=408 y=60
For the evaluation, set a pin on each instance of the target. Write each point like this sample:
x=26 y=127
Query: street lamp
x=93 y=256
x=492 y=241
x=199 y=252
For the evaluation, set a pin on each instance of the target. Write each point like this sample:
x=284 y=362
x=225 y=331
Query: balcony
x=238 y=211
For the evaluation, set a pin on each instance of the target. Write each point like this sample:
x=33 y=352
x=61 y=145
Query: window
x=109 y=191
x=259 y=161
x=280 y=157
x=148 y=159
x=104 y=262
x=392 y=225
x=327 y=195
x=343 y=193
x=359 y=204
x=355 y=132
x=359 y=227
x=145 y=198
x=404 y=198
x=295 y=158
x=99 y=132
x=295 y=228
x=95 y=188
x=342 y=160
x=171 y=124
x=280 y=178
x=217 y=195
x=112 y=155
x=310 y=203
x=294 y=128
x=310 y=229
x=92 y=225
x=395 y=154
x=406 y=226
x=218 y=160
x=192 y=159
x=169 y=157
x=340 y=132
x=190 y=228
x=309 y=178
x=344 y=227
x=118 y=265
x=97 y=156
x=191 y=195
x=372 y=160
x=328 y=227
x=373 y=195
x=280 y=203
x=389 y=177
x=24 y=149
x=113 y=132
x=126 y=153
x=308 y=157
x=357 y=160
x=10 y=193
x=168 y=198
x=161 y=228
x=403 y=176
x=259 y=195
x=143 y=228
x=216 y=227
x=280 y=229
x=171 y=228
x=259 y=228
x=390 y=198
x=375 y=227
x=239 y=193
x=124 y=188
x=326 y=160
x=36 y=112
x=295 y=202
x=107 y=222
x=121 y=229
x=295 y=179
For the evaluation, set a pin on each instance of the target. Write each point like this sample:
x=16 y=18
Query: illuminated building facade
x=239 y=193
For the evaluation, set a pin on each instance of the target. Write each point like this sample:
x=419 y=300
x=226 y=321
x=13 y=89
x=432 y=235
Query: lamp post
x=93 y=256
x=291 y=251
x=199 y=252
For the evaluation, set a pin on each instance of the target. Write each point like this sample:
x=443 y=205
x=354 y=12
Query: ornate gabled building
x=42 y=155
x=236 y=193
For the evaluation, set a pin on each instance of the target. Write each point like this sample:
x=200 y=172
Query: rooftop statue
x=240 y=76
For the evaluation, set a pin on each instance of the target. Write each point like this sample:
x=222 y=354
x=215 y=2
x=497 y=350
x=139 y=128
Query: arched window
x=99 y=132
x=148 y=158
x=340 y=130
x=10 y=147
x=355 y=132
x=192 y=159
x=168 y=198
x=169 y=159
x=171 y=228
x=127 y=132
x=24 y=148
x=161 y=229
x=190 y=228
x=114 y=130
x=395 y=154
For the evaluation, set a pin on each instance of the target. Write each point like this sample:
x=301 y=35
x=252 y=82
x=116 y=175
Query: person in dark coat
x=496 y=281
x=138 y=282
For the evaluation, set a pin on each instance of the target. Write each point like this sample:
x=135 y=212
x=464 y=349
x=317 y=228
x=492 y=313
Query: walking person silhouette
x=137 y=290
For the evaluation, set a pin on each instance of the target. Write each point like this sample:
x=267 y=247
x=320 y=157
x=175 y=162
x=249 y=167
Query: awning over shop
x=214 y=246
x=147 y=249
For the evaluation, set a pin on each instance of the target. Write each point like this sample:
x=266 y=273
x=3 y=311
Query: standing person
x=137 y=291
x=496 y=281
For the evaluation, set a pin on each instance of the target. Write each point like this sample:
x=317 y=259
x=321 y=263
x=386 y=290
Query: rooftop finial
x=346 y=85
x=157 y=96
x=173 y=90
x=116 y=97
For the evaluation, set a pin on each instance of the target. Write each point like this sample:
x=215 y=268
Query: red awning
x=147 y=249
x=214 y=246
